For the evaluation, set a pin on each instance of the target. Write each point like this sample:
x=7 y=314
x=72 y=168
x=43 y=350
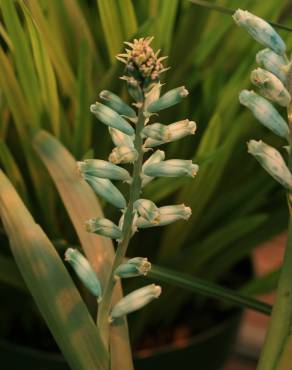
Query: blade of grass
x=22 y=120
x=164 y=24
x=208 y=289
x=112 y=26
x=50 y=284
x=54 y=48
x=82 y=129
x=262 y=284
x=48 y=85
x=22 y=58
x=10 y=166
x=128 y=18
x=81 y=205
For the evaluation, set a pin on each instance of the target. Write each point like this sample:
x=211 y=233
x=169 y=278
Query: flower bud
x=270 y=86
x=169 y=99
x=168 y=215
x=133 y=267
x=260 y=30
x=172 y=168
x=84 y=271
x=106 y=190
x=272 y=161
x=265 y=112
x=103 y=169
x=148 y=210
x=111 y=118
x=157 y=131
x=103 y=226
x=117 y=104
x=152 y=95
x=121 y=139
x=135 y=300
x=134 y=88
x=156 y=157
x=123 y=154
x=273 y=63
x=176 y=131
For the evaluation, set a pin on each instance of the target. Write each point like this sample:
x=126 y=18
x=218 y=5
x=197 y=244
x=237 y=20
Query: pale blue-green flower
x=135 y=300
x=176 y=131
x=169 y=99
x=123 y=154
x=103 y=169
x=156 y=131
x=121 y=139
x=272 y=161
x=136 y=266
x=84 y=271
x=103 y=226
x=270 y=86
x=273 y=63
x=168 y=215
x=260 y=30
x=111 y=118
x=148 y=210
x=106 y=190
x=265 y=112
x=116 y=103
x=171 y=168
x=156 y=157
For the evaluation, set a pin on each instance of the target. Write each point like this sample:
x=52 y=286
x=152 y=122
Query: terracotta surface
x=252 y=333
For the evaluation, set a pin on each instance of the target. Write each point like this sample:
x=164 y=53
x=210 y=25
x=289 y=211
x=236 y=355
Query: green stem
x=135 y=190
x=278 y=343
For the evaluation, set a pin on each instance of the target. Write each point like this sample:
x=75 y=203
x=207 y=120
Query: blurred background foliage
x=56 y=56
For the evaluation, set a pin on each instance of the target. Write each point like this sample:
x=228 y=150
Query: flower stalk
x=275 y=83
x=129 y=131
x=134 y=193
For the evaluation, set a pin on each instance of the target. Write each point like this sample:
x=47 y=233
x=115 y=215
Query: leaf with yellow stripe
x=51 y=285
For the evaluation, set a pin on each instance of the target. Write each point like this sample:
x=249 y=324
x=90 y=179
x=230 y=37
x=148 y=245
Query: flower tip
x=68 y=254
x=89 y=226
x=157 y=290
x=239 y=15
x=184 y=92
x=244 y=96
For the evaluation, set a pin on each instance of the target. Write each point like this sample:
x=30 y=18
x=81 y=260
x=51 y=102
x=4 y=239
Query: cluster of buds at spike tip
x=271 y=79
x=133 y=136
x=143 y=65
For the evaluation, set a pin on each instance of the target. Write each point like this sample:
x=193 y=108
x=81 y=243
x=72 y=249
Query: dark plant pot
x=206 y=351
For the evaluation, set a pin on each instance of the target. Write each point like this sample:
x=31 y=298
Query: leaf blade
x=50 y=284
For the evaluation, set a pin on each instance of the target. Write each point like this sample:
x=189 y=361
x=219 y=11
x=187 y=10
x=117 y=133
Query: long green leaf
x=46 y=75
x=208 y=289
x=50 y=284
x=112 y=27
x=22 y=58
x=81 y=205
